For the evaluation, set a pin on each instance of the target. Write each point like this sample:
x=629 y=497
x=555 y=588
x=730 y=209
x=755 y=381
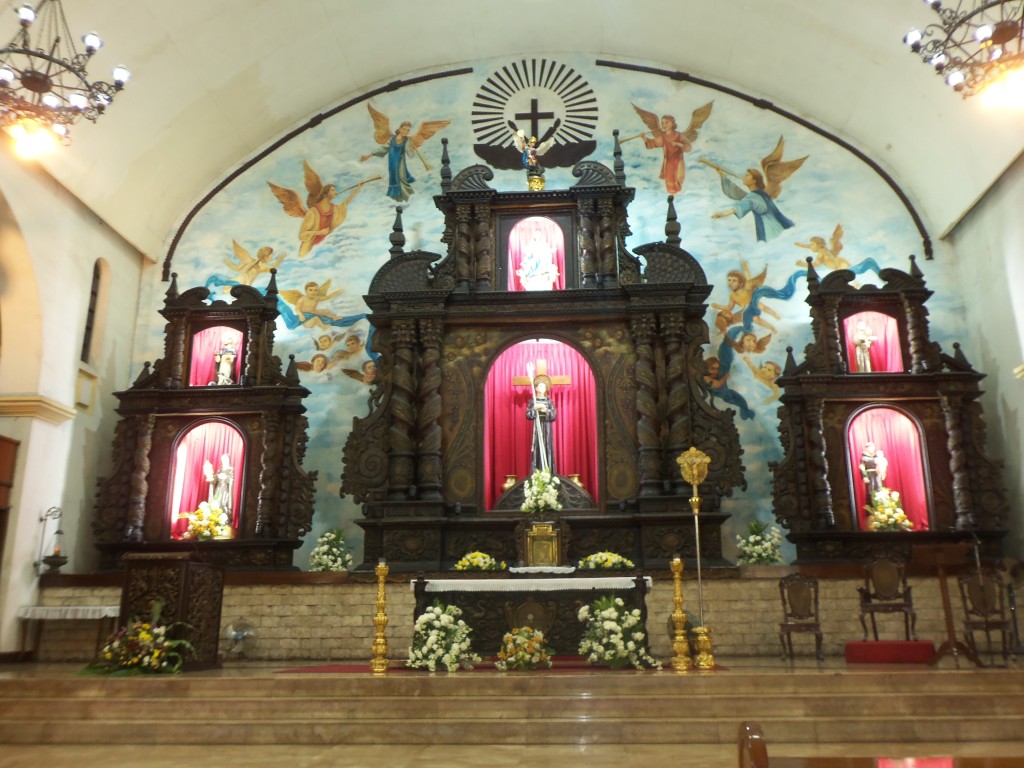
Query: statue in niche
x=222 y=484
x=541 y=411
x=538 y=270
x=225 y=358
x=873 y=468
x=863 y=338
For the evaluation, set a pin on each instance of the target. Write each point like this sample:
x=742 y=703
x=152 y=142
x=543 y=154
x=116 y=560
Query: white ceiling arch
x=214 y=82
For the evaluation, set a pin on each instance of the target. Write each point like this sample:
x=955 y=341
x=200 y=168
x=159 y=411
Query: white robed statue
x=222 y=484
x=541 y=411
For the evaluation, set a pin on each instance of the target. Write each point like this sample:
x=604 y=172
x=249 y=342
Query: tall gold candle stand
x=681 y=661
x=379 y=662
x=693 y=465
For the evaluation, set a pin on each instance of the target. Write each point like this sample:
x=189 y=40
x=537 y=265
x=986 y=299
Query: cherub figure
x=741 y=292
x=398 y=147
x=749 y=344
x=826 y=256
x=666 y=136
x=320 y=363
x=325 y=341
x=250 y=267
x=367 y=374
x=321 y=215
x=307 y=302
x=766 y=374
x=762 y=189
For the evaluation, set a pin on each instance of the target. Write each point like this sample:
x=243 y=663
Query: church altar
x=493 y=606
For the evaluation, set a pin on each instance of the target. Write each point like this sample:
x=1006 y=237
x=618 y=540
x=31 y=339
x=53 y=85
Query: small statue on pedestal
x=531 y=152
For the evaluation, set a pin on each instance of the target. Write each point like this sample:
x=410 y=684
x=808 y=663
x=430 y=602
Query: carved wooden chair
x=799 y=595
x=885 y=590
x=984 y=599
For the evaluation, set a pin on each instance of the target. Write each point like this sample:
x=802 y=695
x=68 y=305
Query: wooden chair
x=799 y=595
x=885 y=590
x=753 y=747
x=984 y=599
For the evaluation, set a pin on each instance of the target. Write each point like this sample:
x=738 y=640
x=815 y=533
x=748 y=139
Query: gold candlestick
x=681 y=661
x=379 y=663
x=693 y=465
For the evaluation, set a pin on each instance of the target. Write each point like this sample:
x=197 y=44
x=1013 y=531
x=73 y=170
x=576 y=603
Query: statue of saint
x=873 y=468
x=222 y=485
x=538 y=270
x=541 y=411
x=225 y=359
x=862 y=341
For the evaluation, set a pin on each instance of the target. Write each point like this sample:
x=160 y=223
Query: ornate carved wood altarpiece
x=260 y=404
x=815 y=483
x=415 y=461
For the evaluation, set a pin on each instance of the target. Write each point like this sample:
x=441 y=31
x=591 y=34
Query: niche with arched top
x=215 y=356
x=208 y=465
x=871 y=341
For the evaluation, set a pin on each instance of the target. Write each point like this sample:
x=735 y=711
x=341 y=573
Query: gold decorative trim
x=35 y=407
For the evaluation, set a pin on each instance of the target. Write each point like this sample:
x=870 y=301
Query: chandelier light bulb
x=26 y=15
x=92 y=42
x=913 y=38
x=78 y=101
x=955 y=79
x=121 y=75
x=6 y=76
x=983 y=33
x=995 y=53
x=60 y=130
x=51 y=100
x=31 y=139
x=939 y=61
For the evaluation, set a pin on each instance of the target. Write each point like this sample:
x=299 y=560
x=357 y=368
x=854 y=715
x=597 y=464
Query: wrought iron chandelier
x=44 y=87
x=973 y=45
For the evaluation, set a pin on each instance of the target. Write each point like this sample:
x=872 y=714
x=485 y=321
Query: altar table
x=493 y=606
x=103 y=615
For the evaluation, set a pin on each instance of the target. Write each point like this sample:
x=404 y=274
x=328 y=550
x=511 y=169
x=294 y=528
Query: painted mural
x=756 y=194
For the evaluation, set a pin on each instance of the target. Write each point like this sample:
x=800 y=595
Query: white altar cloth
x=531 y=585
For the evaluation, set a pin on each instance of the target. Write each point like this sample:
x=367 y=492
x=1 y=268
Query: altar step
x=919 y=706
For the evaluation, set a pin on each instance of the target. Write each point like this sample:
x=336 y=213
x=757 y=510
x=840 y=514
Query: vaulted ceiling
x=216 y=80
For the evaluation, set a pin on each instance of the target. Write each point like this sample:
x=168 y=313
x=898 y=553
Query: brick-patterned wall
x=335 y=621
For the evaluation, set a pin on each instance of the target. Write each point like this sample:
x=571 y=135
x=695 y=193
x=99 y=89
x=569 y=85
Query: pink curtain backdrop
x=886 y=353
x=914 y=762
x=550 y=236
x=896 y=436
x=205 y=344
x=507 y=431
x=206 y=442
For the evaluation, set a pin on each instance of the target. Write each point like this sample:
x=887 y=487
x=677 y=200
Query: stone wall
x=334 y=621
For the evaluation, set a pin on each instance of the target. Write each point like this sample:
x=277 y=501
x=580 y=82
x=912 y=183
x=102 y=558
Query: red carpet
x=891 y=652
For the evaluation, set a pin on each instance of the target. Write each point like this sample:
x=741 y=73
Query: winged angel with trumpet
x=666 y=136
x=320 y=215
x=762 y=189
x=398 y=147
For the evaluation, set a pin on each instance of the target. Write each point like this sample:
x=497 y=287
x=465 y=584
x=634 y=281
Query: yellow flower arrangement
x=523 y=648
x=479 y=561
x=207 y=523
x=605 y=561
x=886 y=514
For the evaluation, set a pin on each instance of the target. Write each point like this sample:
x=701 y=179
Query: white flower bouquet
x=478 y=561
x=207 y=523
x=613 y=635
x=760 y=546
x=540 y=493
x=522 y=649
x=886 y=514
x=441 y=637
x=605 y=561
x=331 y=553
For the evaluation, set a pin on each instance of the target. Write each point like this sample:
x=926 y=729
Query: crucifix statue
x=541 y=411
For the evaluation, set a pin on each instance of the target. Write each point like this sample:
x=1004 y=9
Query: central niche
x=508 y=432
x=536 y=255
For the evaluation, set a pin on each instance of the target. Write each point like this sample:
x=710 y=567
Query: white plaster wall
x=48 y=244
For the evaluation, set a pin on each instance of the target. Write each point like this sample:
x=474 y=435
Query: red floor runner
x=891 y=652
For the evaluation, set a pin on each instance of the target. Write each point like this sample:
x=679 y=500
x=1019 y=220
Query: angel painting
x=250 y=267
x=749 y=344
x=665 y=135
x=742 y=286
x=320 y=215
x=306 y=304
x=398 y=147
x=826 y=255
x=367 y=373
x=761 y=190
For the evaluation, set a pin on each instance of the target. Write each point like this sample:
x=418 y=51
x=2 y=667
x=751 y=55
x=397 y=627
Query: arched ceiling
x=214 y=81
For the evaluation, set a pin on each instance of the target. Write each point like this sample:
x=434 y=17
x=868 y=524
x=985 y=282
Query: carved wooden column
x=643 y=327
x=139 y=485
x=917 y=337
x=820 y=489
x=588 y=246
x=402 y=410
x=428 y=428
x=268 y=485
x=673 y=325
x=606 y=242
x=952 y=411
x=483 y=262
x=462 y=248
x=835 y=359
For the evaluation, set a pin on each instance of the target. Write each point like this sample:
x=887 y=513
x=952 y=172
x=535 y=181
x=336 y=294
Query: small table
x=104 y=615
x=492 y=607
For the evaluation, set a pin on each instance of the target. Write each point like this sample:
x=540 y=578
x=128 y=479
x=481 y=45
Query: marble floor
x=860 y=755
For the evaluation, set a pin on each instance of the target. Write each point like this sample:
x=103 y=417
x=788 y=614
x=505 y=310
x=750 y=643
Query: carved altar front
x=415 y=460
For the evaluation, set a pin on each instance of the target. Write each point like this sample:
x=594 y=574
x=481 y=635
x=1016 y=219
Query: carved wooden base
x=231 y=554
x=861 y=546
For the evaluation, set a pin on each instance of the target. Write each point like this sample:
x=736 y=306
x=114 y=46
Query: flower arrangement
x=207 y=523
x=540 y=493
x=605 y=561
x=760 y=546
x=614 y=635
x=440 y=636
x=885 y=512
x=478 y=561
x=523 y=648
x=331 y=553
x=143 y=647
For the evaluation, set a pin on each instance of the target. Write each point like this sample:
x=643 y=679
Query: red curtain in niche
x=206 y=344
x=208 y=441
x=897 y=436
x=507 y=431
x=885 y=352
x=542 y=235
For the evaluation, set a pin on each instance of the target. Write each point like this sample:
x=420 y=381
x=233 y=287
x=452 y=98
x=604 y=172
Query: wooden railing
x=753 y=748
